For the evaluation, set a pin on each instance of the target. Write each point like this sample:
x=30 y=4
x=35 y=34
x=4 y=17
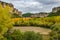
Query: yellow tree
x=5 y=20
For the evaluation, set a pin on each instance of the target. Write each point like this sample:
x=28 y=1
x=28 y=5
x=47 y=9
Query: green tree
x=27 y=14
x=14 y=15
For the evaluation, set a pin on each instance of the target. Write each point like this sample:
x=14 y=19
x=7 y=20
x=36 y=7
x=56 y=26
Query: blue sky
x=34 y=5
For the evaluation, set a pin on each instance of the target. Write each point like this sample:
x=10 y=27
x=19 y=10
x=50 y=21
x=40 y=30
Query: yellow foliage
x=5 y=20
x=18 y=19
x=44 y=22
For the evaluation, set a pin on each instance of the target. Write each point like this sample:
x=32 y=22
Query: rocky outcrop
x=55 y=9
x=40 y=15
x=13 y=10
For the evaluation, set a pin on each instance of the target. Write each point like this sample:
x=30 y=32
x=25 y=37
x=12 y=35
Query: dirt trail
x=35 y=29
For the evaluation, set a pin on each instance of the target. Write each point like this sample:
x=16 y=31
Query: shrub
x=17 y=35
x=28 y=35
x=39 y=22
x=14 y=15
x=55 y=34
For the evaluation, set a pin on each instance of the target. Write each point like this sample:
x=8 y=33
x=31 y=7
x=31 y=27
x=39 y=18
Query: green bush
x=14 y=15
x=56 y=27
x=28 y=35
x=15 y=35
x=55 y=34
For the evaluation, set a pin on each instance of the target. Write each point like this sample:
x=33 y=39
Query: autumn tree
x=5 y=20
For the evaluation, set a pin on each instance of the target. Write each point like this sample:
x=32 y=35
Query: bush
x=28 y=35
x=56 y=27
x=15 y=35
x=38 y=22
x=14 y=15
x=55 y=34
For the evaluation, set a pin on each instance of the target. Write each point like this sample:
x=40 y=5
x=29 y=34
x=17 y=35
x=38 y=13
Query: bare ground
x=35 y=29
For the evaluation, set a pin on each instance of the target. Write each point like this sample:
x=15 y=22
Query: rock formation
x=40 y=15
x=13 y=10
x=55 y=9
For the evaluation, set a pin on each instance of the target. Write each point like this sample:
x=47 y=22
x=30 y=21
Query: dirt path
x=35 y=29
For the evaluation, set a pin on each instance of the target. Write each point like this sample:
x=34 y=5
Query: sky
x=34 y=6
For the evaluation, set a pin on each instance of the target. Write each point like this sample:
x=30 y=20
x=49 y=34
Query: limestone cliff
x=55 y=9
x=40 y=15
x=13 y=10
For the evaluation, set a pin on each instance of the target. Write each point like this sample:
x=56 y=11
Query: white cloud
x=34 y=5
x=28 y=6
